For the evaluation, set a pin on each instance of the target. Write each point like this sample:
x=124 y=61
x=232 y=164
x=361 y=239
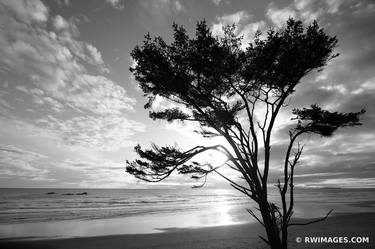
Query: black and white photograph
x=187 y=124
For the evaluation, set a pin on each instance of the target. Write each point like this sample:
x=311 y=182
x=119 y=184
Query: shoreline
x=230 y=236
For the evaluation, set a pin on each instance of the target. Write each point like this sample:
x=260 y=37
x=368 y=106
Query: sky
x=71 y=112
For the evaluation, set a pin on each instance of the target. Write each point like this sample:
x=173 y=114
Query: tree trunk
x=271 y=227
x=284 y=237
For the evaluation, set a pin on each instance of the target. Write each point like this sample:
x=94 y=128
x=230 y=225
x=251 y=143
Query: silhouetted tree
x=220 y=86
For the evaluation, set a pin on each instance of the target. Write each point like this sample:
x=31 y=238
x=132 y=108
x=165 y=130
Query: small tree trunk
x=271 y=227
x=284 y=237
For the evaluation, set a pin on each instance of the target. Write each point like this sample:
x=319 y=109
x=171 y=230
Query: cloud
x=164 y=6
x=306 y=10
x=216 y=2
x=178 y=6
x=99 y=173
x=347 y=154
x=108 y=133
x=117 y=4
x=58 y=92
x=87 y=93
x=236 y=18
x=249 y=30
x=73 y=152
x=346 y=82
x=27 y=12
x=245 y=28
x=349 y=182
x=62 y=3
x=94 y=54
x=63 y=79
x=60 y=23
x=345 y=85
x=17 y=162
x=96 y=94
x=279 y=16
x=239 y=18
x=49 y=58
x=40 y=99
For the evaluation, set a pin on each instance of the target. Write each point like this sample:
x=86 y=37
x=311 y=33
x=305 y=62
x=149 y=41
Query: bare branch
x=313 y=221
x=201 y=185
x=265 y=240
x=254 y=215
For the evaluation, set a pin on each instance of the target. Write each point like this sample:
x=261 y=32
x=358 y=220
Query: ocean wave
x=36 y=205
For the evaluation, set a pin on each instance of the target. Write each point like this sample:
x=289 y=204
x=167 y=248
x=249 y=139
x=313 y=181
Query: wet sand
x=233 y=236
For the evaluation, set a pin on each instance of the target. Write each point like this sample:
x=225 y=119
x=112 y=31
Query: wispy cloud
x=17 y=162
x=108 y=133
x=164 y=6
x=216 y=2
x=246 y=27
x=99 y=173
x=53 y=63
x=62 y=99
x=307 y=10
x=349 y=182
x=239 y=19
x=64 y=82
x=117 y=4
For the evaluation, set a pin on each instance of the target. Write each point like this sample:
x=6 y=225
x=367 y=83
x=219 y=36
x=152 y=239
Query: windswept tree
x=220 y=86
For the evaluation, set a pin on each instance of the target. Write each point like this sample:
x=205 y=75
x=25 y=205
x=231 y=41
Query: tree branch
x=313 y=221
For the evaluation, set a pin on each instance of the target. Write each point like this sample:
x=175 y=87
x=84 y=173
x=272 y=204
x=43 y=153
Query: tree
x=220 y=86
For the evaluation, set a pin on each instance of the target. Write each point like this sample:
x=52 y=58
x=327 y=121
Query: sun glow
x=223 y=215
x=216 y=158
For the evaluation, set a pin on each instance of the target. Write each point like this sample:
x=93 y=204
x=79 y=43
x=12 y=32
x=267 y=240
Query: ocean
x=39 y=213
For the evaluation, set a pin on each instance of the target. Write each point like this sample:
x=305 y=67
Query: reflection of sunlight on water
x=224 y=218
x=225 y=209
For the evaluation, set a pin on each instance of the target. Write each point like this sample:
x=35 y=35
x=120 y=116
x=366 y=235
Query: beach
x=203 y=218
x=231 y=236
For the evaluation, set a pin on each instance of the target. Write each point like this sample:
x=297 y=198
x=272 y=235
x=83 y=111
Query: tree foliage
x=214 y=82
x=322 y=122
